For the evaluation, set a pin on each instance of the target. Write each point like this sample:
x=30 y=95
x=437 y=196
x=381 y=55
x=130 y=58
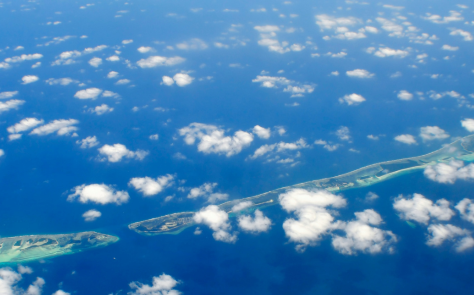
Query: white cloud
x=168 y=81
x=24 y=269
x=362 y=237
x=102 y=109
x=98 y=193
x=206 y=191
x=154 y=137
x=359 y=73
x=404 y=95
x=116 y=152
x=113 y=58
x=213 y=140
x=352 y=99
x=295 y=88
x=8 y=94
x=108 y=93
x=466 y=35
x=88 y=142
x=144 y=49
x=387 y=52
x=91 y=215
x=326 y=22
x=112 y=74
x=218 y=221
x=468 y=124
x=61 y=292
x=149 y=186
x=406 y=138
x=450 y=48
x=125 y=42
x=450 y=172
x=466 y=209
x=23 y=57
x=25 y=124
x=9 y=280
x=61 y=126
x=61 y=81
x=241 y=206
x=393 y=7
x=267 y=29
x=257 y=224
x=94 y=49
x=66 y=58
x=389 y=26
x=343 y=133
x=29 y=79
x=439 y=233
x=437 y=19
x=162 y=285
x=89 y=93
x=261 y=132
x=421 y=209
x=10 y=105
x=327 y=146
x=313 y=219
x=182 y=79
x=432 y=133
x=122 y=82
x=158 y=61
x=193 y=44
x=279 y=147
x=95 y=62
x=2 y=153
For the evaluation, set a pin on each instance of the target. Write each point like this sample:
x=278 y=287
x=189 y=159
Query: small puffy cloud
x=466 y=35
x=125 y=42
x=182 y=79
x=313 y=220
x=295 y=88
x=162 y=285
x=122 y=82
x=61 y=81
x=8 y=94
x=406 y=138
x=213 y=140
x=432 y=133
x=387 y=52
x=421 y=209
x=10 y=105
x=23 y=57
x=360 y=236
x=267 y=29
x=100 y=110
x=88 y=142
x=343 y=133
x=257 y=224
x=193 y=44
x=91 y=215
x=328 y=146
x=448 y=173
x=94 y=49
x=61 y=292
x=439 y=233
x=108 y=93
x=98 y=193
x=95 y=62
x=115 y=153
x=29 y=79
x=154 y=137
x=437 y=19
x=352 y=99
x=168 y=81
x=24 y=125
x=261 y=132
x=89 y=93
x=144 y=49
x=159 y=61
x=207 y=191
x=218 y=221
x=466 y=209
x=24 y=269
x=149 y=186
x=404 y=95
x=61 y=126
x=2 y=153
x=450 y=48
x=359 y=73
x=113 y=58
x=112 y=74
x=468 y=124
x=279 y=148
x=326 y=22
x=242 y=205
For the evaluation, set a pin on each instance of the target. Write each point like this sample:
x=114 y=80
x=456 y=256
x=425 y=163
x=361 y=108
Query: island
x=28 y=248
x=462 y=149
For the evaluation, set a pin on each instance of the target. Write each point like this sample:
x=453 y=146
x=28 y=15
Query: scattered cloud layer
x=296 y=89
x=448 y=173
